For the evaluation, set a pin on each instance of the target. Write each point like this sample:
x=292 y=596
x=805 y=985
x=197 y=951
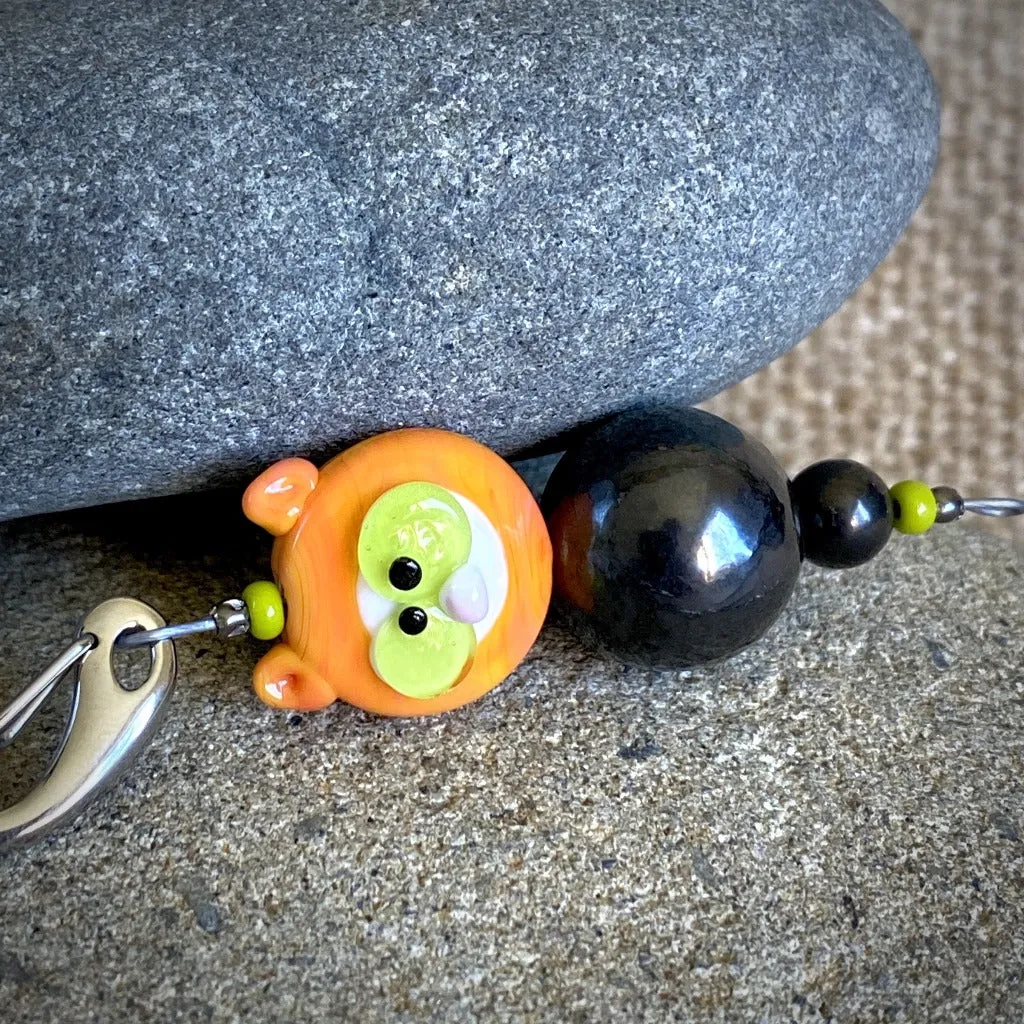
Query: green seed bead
x=914 y=506
x=266 y=609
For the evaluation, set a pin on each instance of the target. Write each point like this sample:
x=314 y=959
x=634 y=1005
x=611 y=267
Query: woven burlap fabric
x=919 y=374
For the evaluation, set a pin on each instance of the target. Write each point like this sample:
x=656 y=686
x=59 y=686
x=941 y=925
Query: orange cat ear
x=283 y=680
x=276 y=497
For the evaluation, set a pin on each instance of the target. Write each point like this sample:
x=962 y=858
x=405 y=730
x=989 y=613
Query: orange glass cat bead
x=416 y=570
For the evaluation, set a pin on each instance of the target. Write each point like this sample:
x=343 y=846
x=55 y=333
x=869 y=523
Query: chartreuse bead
x=266 y=609
x=914 y=506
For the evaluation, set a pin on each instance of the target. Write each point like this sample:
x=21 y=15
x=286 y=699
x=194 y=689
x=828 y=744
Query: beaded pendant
x=412 y=573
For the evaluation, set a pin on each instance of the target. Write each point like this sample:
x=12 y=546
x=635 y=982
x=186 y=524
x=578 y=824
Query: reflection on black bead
x=844 y=512
x=674 y=537
x=405 y=574
x=412 y=620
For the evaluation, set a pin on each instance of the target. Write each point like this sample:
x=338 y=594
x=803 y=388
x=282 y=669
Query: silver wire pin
x=952 y=505
x=227 y=619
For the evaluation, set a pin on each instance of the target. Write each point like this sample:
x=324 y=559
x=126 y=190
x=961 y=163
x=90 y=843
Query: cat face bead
x=416 y=570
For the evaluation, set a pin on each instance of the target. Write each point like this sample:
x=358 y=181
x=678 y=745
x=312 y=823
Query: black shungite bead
x=674 y=538
x=844 y=512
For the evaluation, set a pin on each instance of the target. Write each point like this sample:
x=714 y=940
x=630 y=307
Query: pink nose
x=464 y=595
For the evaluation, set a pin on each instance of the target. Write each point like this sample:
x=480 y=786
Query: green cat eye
x=424 y=663
x=420 y=522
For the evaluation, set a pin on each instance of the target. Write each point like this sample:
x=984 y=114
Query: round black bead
x=844 y=512
x=405 y=574
x=412 y=620
x=674 y=537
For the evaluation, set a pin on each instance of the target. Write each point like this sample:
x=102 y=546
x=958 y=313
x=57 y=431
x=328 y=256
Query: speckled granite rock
x=826 y=828
x=231 y=231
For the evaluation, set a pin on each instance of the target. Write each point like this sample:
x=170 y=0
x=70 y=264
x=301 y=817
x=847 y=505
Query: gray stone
x=234 y=231
x=825 y=828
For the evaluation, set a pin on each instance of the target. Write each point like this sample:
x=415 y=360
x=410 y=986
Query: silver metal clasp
x=108 y=724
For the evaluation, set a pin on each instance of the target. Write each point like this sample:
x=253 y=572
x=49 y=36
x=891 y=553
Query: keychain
x=412 y=574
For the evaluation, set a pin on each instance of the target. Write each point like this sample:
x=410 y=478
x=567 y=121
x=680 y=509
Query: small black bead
x=844 y=513
x=405 y=574
x=412 y=620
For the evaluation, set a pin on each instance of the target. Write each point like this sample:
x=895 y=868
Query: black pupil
x=413 y=620
x=405 y=574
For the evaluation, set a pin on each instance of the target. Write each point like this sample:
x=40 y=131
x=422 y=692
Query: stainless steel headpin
x=227 y=619
x=952 y=506
x=994 y=506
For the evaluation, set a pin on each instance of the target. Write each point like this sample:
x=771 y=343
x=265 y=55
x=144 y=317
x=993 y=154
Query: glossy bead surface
x=412 y=620
x=844 y=512
x=914 y=507
x=276 y=497
x=949 y=504
x=416 y=567
x=266 y=609
x=405 y=574
x=674 y=538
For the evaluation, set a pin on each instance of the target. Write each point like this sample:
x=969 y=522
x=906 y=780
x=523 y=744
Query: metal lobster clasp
x=106 y=729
